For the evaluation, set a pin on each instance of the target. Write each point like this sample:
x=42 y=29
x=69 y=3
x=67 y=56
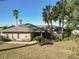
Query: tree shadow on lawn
x=23 y=46
x=16 y=47
x=49 y=43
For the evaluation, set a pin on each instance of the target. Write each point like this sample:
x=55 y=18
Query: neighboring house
x=24 y=32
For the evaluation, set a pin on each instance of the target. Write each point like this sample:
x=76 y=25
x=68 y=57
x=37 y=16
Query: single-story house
x=24 y=32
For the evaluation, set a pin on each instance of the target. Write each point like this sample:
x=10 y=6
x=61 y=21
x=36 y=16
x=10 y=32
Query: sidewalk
x=32 y=42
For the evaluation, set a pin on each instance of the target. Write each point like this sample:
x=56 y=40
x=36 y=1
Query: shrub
x=39 y=38
x=67 y=34
x=71 y=25
x=5 y=39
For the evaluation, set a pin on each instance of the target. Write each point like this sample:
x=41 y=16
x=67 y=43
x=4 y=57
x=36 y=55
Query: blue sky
x=30 y=11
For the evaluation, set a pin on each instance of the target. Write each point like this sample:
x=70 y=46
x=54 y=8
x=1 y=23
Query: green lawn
x=59 y=50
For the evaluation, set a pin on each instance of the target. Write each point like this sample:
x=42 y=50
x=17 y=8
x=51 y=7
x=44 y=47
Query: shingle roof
x=24 y=28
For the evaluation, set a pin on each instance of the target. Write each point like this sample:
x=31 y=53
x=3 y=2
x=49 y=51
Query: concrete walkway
x=32 y=42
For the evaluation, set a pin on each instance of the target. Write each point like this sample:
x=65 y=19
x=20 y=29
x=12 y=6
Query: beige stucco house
x=24 y=32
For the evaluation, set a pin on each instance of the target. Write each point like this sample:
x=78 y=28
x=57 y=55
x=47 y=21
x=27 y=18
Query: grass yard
x=59 y=50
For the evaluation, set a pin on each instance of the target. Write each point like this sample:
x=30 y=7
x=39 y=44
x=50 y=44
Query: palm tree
x=16 y=14
x=54 y=14
x=58 y=9
x=66 y=8
x=49 y=15
x=61 y=14
x=63 y=10
x=47 y=18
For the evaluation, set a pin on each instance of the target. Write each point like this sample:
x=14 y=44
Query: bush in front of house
x=4 y=39
x=41 y=40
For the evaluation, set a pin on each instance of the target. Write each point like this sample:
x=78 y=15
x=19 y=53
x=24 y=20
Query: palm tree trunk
x=51 y=29
x=59 y=25
x=51 y=23
x=48 y=25
x=62 y=31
